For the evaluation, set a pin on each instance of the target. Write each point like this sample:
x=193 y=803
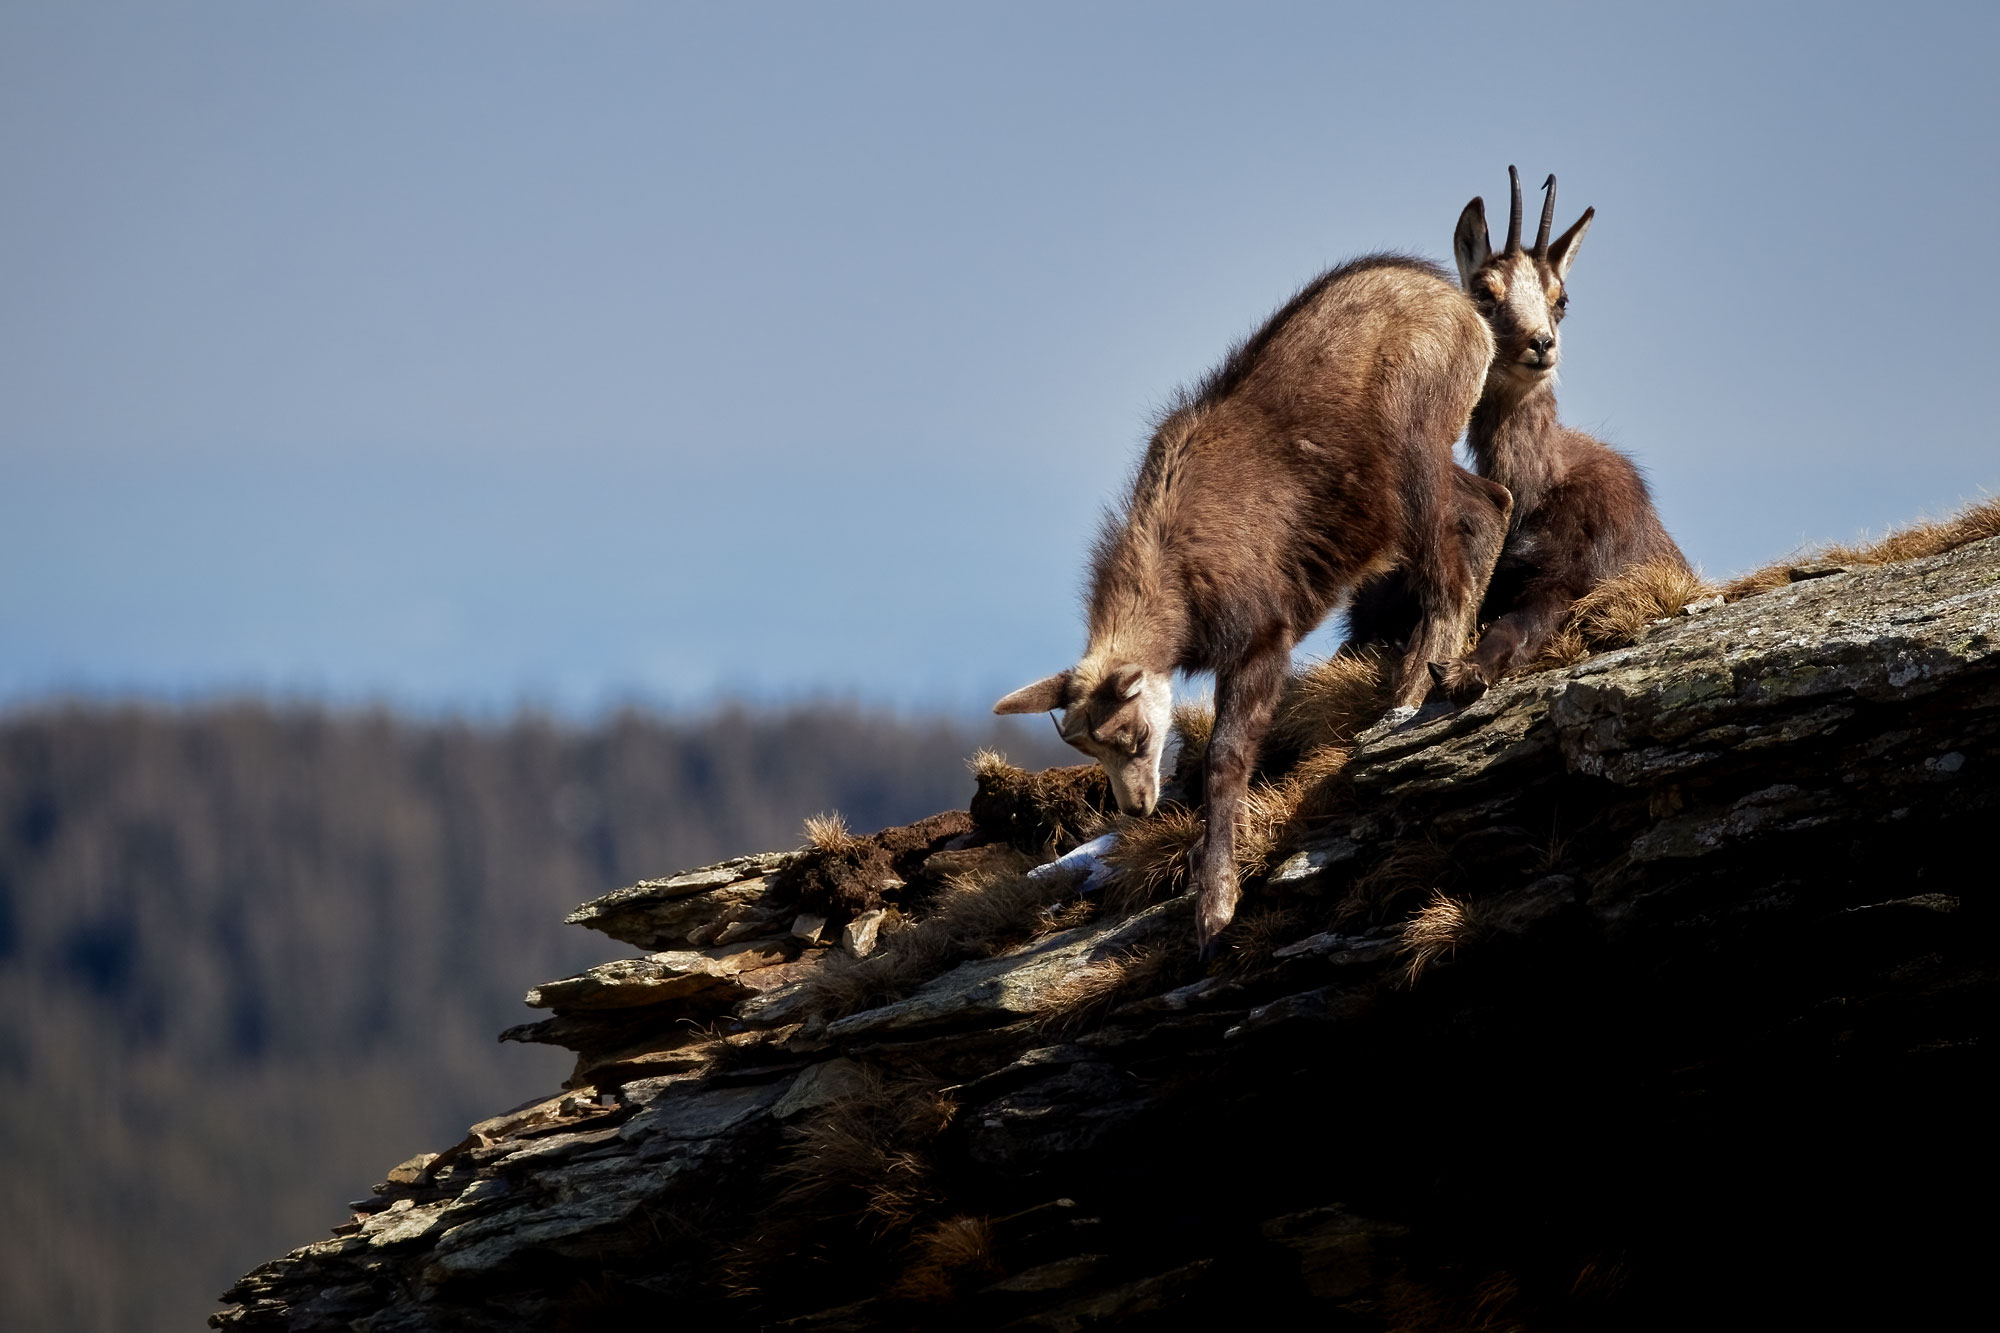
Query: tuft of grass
x=1320 y=781
x=1975 y=522
x=1615 y=612
x=1151 y=858
x=863 y=1155
x=1415 y=866
x=1434 y=933
x=973 y=916
x=1269 y=809
x=1257 y=933
x=1091 y=990
x=1326 y=704
x=827 y=835
x=945 y=1258
x=988 y=763
x=1194 y=723
x=1064 y=916
x=866 y=1157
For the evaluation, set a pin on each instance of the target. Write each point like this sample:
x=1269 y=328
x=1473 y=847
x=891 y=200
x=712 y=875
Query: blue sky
x=462 y=355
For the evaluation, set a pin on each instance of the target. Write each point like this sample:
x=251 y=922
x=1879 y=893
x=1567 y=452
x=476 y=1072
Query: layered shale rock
x=1652 y=992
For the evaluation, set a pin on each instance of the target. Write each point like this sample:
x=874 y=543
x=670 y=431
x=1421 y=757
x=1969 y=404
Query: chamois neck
x=1138 y=597
x=1142 y=619
x=1139 y=608
x=1514 y=437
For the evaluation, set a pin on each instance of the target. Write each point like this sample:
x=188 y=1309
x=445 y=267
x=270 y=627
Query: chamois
x=1582 y=512
x=1316 y=455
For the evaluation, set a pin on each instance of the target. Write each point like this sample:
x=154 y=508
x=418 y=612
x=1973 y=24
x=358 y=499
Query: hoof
x=1460 y=681
x=1213 y=911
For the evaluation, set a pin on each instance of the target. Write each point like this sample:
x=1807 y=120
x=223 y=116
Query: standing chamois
x=1318 y=454
x=1582 y=513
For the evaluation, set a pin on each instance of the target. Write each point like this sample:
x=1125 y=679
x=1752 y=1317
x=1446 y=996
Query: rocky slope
x=1650 y=991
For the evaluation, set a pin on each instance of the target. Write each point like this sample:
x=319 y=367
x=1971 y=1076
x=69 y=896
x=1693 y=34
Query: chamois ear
x=1566 y=245
x=1125 y=681
x=1041 y=697
x=1471 y=244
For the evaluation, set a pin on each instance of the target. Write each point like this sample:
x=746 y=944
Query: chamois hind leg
x=1244 y=699
x=1449 y=567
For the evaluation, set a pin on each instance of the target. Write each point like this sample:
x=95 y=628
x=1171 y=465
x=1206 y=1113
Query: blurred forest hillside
x=249 y=954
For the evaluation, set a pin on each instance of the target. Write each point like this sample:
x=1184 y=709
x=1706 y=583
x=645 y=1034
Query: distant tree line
x=250 y=955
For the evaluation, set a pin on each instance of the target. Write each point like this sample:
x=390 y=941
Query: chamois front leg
x=1513 y=640
x=1244 y=700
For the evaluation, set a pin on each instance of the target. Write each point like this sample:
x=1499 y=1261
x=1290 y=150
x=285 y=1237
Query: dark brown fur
x=1581 y=510
x=1317 y=454
x=1582 y=514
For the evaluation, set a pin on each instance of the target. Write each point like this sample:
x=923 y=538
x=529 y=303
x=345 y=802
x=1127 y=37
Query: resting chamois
x=1316 y=455
x=1582 y=513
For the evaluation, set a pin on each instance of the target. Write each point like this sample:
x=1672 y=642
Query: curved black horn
x=1548 y=218
x=1514 y=213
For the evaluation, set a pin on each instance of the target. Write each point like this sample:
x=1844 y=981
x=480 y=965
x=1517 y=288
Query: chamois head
x=1120 y=718
x=1520 y=292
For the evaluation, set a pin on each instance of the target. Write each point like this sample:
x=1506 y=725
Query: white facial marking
x=1135 y=775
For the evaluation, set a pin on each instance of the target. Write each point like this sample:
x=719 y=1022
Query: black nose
x=1540 y=344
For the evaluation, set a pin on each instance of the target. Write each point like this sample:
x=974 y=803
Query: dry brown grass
x=1089 y=992
x=864 y=1156
x=1433 y=934
x=1268 y=812
x=1416 y=866
x=1194 y=723
x=1327 y=704
x=1975 y=522
x=1257 y=933
x=1064 y=916
x=865 y=1159
x=945 y=1258
x=1319 y=779
x=987 y=762
x=1150 y=858
x=1617 y=611
x=973 y=916
x=827 y=835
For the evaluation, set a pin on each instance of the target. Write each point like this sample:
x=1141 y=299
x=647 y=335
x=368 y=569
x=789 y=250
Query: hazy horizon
x=459 y=357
